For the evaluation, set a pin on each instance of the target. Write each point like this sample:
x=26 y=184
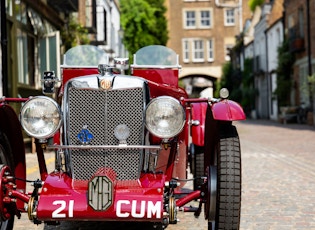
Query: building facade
x=262 y=36
x=32 y=42
x=299 y=27
x=102 y=19
x=202 y=33
x=260 y=60
x=274 y=36
x=31 y=34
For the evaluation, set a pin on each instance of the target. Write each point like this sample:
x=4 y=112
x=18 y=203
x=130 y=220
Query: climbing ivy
x=74 y=34
x=286 y=60
x=253 y=3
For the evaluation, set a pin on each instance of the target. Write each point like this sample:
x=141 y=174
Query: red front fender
x=10 y=126
x=227 y=110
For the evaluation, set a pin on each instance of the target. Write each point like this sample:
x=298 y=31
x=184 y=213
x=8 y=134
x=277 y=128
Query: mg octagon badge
x=100 y=193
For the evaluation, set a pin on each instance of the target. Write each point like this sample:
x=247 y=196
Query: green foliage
x=231 y=79
x=253 y=3
x=248 y=89
x=160 y=31
x=284 y=83
x=143 y=23
x=240 y=84
x=311 y=82
x=227 y=71
x=74 y=34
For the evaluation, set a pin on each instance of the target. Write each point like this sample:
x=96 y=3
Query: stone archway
x=199 y=85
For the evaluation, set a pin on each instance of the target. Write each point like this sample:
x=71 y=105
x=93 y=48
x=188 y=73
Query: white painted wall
x=262 y=80
x=274 y=39
x=114 y=41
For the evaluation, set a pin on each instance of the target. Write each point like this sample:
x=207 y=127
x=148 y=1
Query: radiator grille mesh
x=101 y=112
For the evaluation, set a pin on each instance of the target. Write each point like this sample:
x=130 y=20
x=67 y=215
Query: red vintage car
x=124 y=145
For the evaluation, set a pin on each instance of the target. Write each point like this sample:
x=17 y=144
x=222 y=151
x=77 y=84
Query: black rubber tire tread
x=229 y=181
x=227 y=160
x=5 y=150
x=199 y=169
x=229 y=184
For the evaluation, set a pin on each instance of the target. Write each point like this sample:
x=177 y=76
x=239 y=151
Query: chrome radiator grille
x=101 y=112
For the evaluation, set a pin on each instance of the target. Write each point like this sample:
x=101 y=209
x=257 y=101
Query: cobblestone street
x=278 y=165
x=278 y=176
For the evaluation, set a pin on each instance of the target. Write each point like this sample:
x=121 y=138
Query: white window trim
x=185 y=19
x=210 y=59
x=198 y=24
x=191 y=50
x=197 y=60
x=185 y=60
x=226 y=18
x=49 y=54
x=210 y=19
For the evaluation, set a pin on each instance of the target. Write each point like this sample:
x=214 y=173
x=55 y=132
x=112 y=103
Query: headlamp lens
x=165 y=117
x=40 y=117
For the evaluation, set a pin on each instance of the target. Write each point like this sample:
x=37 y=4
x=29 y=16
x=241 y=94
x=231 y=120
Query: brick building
x=299 y=16
x=202 y=32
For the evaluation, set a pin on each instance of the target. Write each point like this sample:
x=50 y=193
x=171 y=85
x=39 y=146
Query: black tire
x=191 y=159
x=6 y=159
x=225 y=214
x=199 y=171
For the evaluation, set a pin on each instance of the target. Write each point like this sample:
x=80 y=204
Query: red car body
x=155 y=195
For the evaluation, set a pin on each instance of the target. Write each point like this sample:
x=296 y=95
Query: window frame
x=49 y=53
x=201 y=19
x=186 y=49
x=23 y=57
x=187 y=20
x=198 y=18
x=228 y=17
x=189 y=50
x=90 y=6
x=199 y=50
x=210 y=50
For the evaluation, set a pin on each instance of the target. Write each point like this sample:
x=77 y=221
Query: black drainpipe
x=269 y=103
x=4 y=49
x=309 y=52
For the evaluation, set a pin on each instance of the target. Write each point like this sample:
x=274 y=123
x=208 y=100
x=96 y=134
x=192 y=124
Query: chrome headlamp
x=40 y=117
x=164 y=117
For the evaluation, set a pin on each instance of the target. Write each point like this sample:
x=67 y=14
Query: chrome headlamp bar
x=151 y=147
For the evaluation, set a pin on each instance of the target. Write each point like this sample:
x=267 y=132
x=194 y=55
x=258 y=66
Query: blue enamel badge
x=85 y=136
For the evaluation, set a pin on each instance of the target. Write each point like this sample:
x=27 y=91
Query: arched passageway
x=199 y=85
